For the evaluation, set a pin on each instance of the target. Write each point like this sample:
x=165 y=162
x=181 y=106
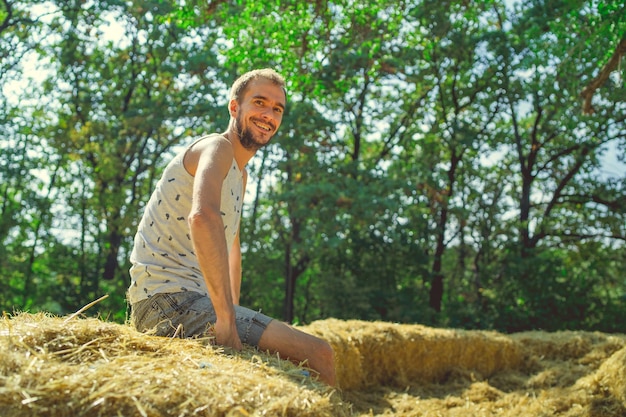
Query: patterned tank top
x=163 y=258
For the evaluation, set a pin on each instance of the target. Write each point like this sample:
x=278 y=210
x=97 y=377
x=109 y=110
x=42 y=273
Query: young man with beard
x=186 y=259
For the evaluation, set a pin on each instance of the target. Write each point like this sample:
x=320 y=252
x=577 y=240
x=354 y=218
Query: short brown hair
x=241 y=83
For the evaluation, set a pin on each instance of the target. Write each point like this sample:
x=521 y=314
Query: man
x=186 y=259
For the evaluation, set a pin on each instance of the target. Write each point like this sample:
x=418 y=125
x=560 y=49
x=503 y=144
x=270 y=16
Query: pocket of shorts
x=144 y=312
x=181 y=302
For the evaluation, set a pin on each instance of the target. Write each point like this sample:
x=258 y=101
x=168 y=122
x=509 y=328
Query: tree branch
x=616 y=205
x=7 y=20
x=605 y=72
x=580 y=236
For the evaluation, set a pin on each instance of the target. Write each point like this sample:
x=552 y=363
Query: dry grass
x=52 y=366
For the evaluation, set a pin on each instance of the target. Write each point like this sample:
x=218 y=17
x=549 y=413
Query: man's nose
x=269 y=114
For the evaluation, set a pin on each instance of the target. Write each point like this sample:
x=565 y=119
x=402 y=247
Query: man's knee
x=326 y=351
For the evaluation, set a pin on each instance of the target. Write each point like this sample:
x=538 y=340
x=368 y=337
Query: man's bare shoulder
x=213 y=150
x=214 y=142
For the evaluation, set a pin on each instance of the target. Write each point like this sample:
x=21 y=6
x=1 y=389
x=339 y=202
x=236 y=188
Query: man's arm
x=235 y=270
x=209 y=161
x=235 y=257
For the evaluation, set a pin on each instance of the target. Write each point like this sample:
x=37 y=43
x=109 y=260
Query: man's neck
x=241 y=154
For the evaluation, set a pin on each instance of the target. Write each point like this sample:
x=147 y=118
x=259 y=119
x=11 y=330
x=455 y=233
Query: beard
x=247 y=138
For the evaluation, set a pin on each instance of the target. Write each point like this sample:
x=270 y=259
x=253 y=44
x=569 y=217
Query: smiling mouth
x=263 y=126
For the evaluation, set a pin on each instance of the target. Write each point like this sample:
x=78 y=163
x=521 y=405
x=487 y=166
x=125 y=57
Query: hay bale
x=50 y=367
x=374 y=353
x=563 y=345
x=611 y=376
x=53 y=367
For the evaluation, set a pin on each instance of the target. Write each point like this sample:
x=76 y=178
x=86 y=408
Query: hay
x=410 y=370
x=51 y=366
x=613 y=373
x=610 y=379
x=393 y=354
x=93 y=368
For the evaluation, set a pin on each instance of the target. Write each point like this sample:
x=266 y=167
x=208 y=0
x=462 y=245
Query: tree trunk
x=290 y=285
x=437 y=285
x=111 y=263
x=37 y=234
x=436 y=288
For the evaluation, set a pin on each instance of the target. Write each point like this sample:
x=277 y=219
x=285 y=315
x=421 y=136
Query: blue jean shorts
x=190 y=314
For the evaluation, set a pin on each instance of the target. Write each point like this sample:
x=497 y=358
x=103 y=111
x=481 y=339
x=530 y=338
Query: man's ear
x=233 y=106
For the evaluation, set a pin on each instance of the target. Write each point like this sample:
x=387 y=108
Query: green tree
x=554 y=150
x=439 y=161
x=26 y=191
x=127 y=101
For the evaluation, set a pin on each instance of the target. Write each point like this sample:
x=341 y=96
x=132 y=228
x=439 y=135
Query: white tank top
x=163 y=260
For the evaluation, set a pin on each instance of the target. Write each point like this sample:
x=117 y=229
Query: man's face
x=259 y=113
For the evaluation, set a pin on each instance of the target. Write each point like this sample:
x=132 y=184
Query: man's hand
x=226 y=334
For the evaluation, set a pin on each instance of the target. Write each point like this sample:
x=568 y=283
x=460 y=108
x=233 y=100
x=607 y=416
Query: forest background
x=451 y=163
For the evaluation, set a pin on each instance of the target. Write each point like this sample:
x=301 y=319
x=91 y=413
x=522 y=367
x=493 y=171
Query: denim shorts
x=190 y=314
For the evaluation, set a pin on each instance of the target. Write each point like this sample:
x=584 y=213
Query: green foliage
x=434 y=164
x=553 y=293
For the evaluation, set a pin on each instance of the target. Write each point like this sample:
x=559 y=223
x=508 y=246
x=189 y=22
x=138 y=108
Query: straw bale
x=50 y=367
x=563 y=345
x=411 y=370
x=55 y=367
x=611 y=377
x=373 y=353
x=615 y=371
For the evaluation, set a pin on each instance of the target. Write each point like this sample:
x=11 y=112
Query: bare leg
x=298 y=346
